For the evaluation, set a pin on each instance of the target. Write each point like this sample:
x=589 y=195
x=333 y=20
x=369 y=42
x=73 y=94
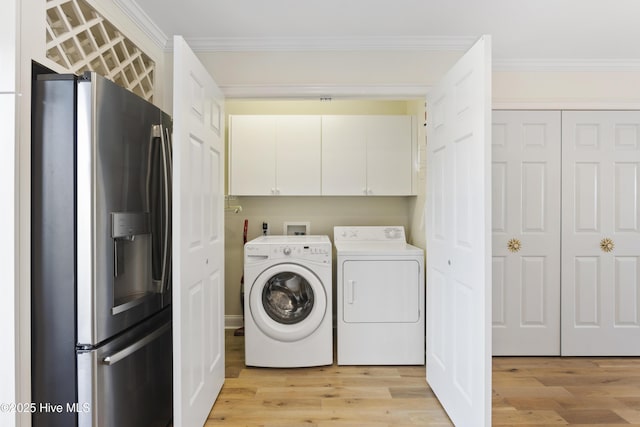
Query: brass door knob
x=607 y=245
x=514 y=245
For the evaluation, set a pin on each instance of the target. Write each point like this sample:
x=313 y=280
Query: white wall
x=567 y=89
x=8 y=46
x=372 y=70
x=9 y=380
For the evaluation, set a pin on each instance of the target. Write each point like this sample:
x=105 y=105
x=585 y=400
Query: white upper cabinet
x=301 y=155
x=389 y=155
x=298 y=155
x=274 y=155
x=367 y=155
x=344 y=159
x=252 y=155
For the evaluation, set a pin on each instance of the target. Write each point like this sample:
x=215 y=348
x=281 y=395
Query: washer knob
x=286 y=251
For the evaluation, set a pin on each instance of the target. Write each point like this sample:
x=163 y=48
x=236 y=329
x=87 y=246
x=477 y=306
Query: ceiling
x=387 y=49
x=523 y=32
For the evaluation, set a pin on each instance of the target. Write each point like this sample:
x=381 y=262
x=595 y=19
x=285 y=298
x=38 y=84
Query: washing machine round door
x=287 y=302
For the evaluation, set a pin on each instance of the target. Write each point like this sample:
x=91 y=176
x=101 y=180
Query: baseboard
x=233 y=321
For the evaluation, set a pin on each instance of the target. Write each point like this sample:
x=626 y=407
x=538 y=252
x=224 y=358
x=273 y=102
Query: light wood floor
x=527 y=391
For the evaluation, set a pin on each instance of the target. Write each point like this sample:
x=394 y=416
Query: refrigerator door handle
x=166 y=162
x=163 y=220
x=128 y=351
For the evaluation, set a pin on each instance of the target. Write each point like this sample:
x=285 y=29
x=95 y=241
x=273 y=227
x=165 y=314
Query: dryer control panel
x=369 y=234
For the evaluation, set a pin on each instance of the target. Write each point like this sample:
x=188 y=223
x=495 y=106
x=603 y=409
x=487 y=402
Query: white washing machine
x=380 y=296
x=288 y=301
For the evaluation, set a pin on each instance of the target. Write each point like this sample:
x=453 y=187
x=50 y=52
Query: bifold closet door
x=526 y=232
x=600 y=237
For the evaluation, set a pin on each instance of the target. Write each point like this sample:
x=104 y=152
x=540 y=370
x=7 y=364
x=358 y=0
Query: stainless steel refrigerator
x=101 y=256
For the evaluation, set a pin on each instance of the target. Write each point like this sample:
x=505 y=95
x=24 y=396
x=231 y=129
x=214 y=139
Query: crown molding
x=261 y=44
x=566 y=65
x=316 y=91
x=564 y=104
x=144 y=22
x=406 y=43
x=274 y=44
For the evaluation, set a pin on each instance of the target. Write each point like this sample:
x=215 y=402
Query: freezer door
x=122 y=214
x=128 y=382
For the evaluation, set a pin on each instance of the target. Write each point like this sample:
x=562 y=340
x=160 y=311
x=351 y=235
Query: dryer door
x=287 y=302
x=381 y=290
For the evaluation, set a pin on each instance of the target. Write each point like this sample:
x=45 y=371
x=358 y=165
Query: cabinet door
x=389 y=149
x=526 y=233
x=600 y=233
x=344 y=163
x=252 y=157
x=298 y=155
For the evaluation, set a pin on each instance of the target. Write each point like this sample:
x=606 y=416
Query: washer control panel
x=300 y=250
x=272 y=248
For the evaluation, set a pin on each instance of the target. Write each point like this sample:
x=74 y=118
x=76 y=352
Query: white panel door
x=389 y=154
x=198 y=239
x=298 y=155
x=458 y=228
x=344 y=162
x=526 y=233
x=600 y=233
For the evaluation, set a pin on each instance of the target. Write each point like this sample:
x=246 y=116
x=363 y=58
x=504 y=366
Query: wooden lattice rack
x=80 y=39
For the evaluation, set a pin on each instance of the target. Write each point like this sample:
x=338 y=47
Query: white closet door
x=458 y=227
x=600 y=233
x=198 y=239
x=526 y=233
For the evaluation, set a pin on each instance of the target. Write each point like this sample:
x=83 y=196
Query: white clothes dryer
x=288 y=316
x=380 y=297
